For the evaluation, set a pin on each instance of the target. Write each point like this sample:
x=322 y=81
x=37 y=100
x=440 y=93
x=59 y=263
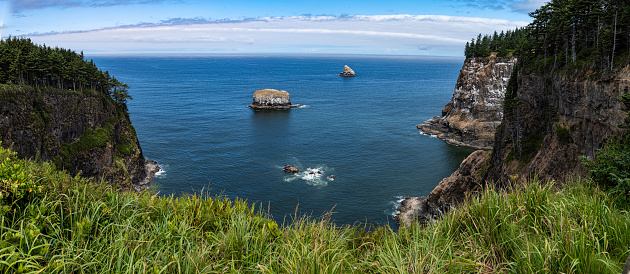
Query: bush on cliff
x=74 y=226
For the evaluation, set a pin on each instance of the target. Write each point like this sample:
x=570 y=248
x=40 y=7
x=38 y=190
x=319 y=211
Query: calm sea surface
x=191 y=116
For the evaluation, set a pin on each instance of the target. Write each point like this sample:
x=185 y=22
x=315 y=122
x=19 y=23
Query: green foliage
x=98 y=137
x=572 y=36
x=17 y=186
x=80 y=227
x=625 y=99
x=611 y=169
x=578 y=35
x=564 y=135
x=530 y=145
x=510 y=100
x=24 y=63
x=504 y=44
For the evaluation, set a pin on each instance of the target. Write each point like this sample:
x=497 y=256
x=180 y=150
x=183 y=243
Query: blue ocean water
x=191 y=115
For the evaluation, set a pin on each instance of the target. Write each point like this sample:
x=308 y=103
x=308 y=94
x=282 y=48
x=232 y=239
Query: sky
x=402 y=27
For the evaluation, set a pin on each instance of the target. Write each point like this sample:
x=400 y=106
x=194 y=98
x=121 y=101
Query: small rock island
x=271 y=99
x=347 y=72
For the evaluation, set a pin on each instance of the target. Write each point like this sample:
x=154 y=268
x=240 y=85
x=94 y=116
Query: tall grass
x=75 y=226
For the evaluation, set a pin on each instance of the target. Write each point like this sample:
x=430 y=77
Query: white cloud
x=381 y=34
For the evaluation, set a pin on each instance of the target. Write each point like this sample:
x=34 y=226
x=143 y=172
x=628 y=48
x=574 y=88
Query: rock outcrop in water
x=476 y=109
x=272 y=99
x=83 y=133
x=290 y=169
x=347 y=72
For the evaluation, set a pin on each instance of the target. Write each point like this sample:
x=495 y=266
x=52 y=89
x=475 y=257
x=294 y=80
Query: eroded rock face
x=557 y=120
x=271 y=99
x=78 y=132
x=451 y=191
x=476 y=109
x=347 y=72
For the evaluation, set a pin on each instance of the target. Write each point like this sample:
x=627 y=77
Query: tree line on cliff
x=24 y=63
x=504 y=43
x=566 y=34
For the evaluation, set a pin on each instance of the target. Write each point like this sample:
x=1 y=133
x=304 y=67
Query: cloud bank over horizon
x=437 y=35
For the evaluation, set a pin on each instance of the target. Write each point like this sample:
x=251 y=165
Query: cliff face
x=476 y=109
x=86 y=133
x=553 y=122
x=549 y=122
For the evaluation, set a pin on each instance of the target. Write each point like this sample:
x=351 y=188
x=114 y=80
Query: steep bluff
x=476 y=109
x=80 y=132
x=552 y=121
x=549 y=122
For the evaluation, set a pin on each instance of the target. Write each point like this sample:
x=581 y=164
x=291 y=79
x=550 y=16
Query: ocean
x=191 y=116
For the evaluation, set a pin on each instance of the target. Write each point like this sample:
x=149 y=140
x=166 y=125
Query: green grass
x=75 y=226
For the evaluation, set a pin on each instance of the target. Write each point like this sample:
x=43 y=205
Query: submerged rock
x=347 y=72
x=271 y=99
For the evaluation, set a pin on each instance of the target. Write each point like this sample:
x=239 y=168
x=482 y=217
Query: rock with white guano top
x=347 y=72
x=271 y=99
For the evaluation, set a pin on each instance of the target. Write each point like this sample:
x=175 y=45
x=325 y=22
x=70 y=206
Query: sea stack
x=347 y=72
x=271 y=99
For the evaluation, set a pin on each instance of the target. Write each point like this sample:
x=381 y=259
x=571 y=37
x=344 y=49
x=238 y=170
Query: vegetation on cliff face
x=66 y=224
x=83 y=132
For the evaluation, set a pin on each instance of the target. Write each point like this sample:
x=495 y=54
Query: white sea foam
x=315 y=176
x=392 y=209
x=427 y=134
x=162 y=172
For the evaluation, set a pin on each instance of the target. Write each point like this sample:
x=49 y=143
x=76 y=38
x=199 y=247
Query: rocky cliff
x=476 y=109
x=80 y=132
x=550 y=121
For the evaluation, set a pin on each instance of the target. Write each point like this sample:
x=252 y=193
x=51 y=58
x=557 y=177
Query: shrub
x=564 y=136
x=611 y=169
x=17 y=186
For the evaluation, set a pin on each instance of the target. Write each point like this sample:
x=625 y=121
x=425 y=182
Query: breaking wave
x=392 y=206
x=315 y=176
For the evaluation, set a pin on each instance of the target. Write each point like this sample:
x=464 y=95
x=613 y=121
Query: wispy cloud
x=19 y=6
x=381 y=34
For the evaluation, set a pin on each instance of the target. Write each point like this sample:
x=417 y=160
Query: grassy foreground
x=55 y=223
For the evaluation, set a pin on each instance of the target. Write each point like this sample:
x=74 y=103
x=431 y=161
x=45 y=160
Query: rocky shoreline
x=150 y=169
x=464 y=182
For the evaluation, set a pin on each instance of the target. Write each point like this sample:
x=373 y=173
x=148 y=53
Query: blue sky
x=407 y=27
